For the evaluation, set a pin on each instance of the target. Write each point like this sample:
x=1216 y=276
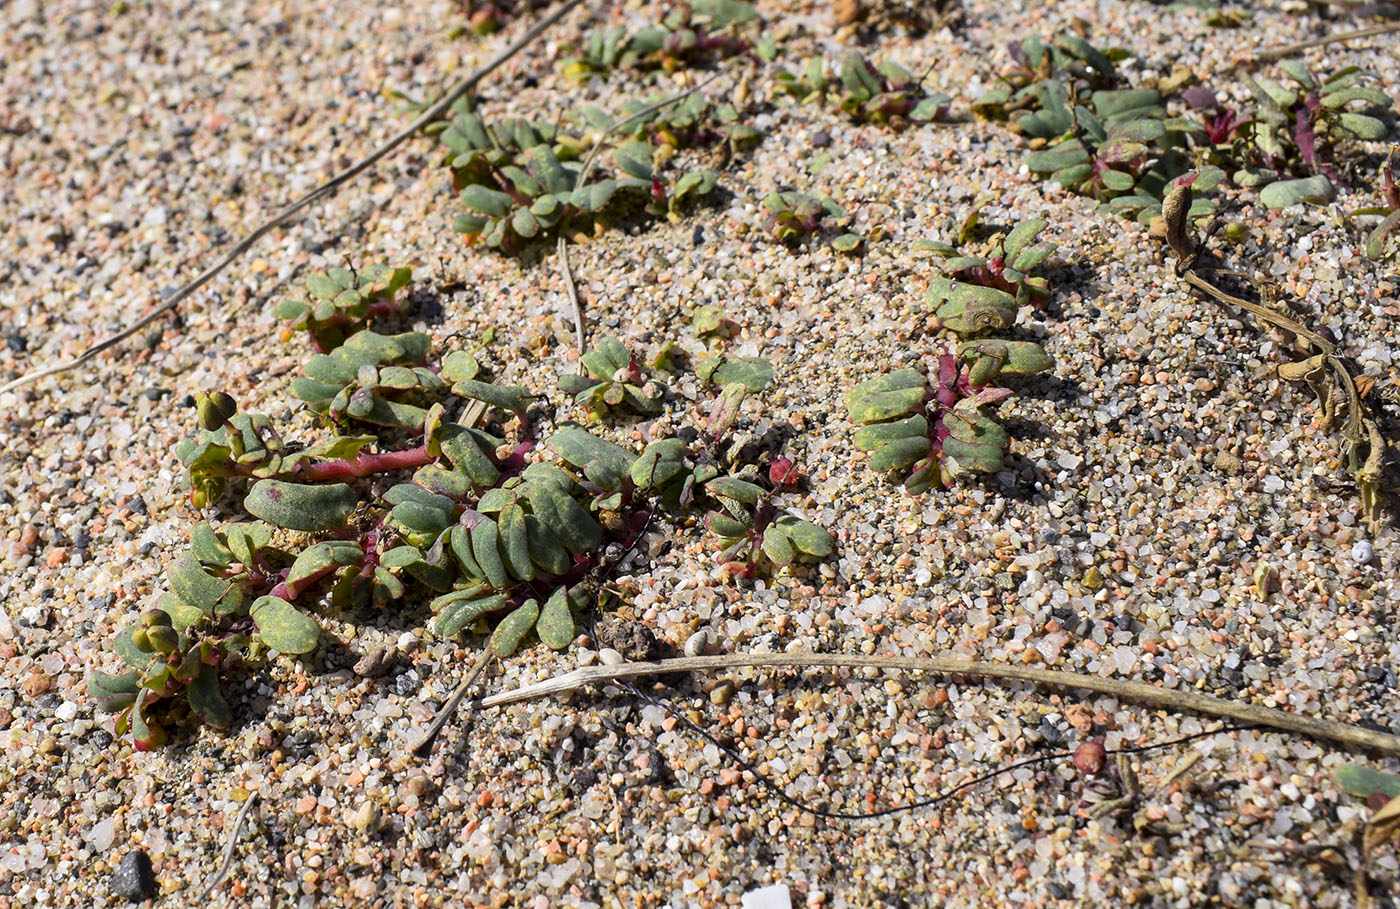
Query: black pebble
x=17 y=343
x=697 y=237
x=134 y=880
x=821 y=139
x=155 y=394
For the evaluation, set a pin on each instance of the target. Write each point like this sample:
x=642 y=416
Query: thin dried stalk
x=1170 y=698
x=1360 y=430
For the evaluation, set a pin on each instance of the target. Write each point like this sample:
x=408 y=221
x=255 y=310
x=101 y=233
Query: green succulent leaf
x=511 y=630
x=282 y=627
x=886 y=397
x=207 y=700
x=114 y=693
x=294 y=506
x=556 y=622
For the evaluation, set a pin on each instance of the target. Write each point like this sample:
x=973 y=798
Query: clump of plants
x=692 y=122
x=615 y=379
x=338 y=299
x=935 y=429
x=1067 y=59
x=692 y=34
x=982 y=285
x=794 y=216
x=390 y=501
x=869 y=93
x=520 y=180
x=1114 y=144
x=1298 y=120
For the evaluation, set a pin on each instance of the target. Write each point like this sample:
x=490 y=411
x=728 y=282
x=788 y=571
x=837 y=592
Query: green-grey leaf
x=1362 y=781
x=197 y=588
x=282 y=627
x=460 y=608
x=294 y=506
x=754 y=373
x=556 y=622
x=207 y=700
x=580 y=447
x=505 y=640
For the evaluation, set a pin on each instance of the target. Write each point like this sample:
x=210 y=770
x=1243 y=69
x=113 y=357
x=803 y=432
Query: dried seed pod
x=1174 y=212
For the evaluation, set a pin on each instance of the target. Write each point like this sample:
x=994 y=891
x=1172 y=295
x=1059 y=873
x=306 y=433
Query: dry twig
x=227 y=862
x=1289 y=50
x=1330 y=375
x=1170 y=698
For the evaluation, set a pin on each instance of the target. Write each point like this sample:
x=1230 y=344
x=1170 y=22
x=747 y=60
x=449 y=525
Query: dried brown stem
x=1173 y=699
x=1289 y=50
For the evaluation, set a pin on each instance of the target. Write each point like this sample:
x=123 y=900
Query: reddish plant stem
x=363 y=465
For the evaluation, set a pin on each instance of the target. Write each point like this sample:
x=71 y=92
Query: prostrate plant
x=692 y=122
x=1116 y=145
x=1298 y=120
x=755 y=535
x=936 y=431
x=692 y=34
x=983 y=292
x=616 y=379
x=336 y=299
x=453 y=513
x=520 y=180
x=793 y=216
x=887 y=93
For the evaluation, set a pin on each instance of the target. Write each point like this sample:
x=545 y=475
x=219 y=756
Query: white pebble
x=66 y=711
x=698 y=643
x=1363 y=552
x=610 y=657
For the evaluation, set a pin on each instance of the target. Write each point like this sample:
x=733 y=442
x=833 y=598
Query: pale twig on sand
x=1170 y=698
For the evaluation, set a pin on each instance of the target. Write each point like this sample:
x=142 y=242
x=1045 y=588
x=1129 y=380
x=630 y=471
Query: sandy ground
x=138 y=141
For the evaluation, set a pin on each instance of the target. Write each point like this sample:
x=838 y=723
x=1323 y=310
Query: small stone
x=821 y=138
x=1090 y=757
x=610 y=657
x=376 y=663
x=66 y=711
x=367 y=818
x=698 y=643
x=134 y=879
x=1227 y=463
x=722 y=693
x=1092 y=580
x=1362 y=552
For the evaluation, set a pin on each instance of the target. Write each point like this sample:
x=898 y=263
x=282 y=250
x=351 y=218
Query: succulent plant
x=793 y=216
x=455 y=515
x=936 y=431
x=337 y=300
x=982 y=292
x=520 y=180
x=692 y=122
x=1068 y=59
x=692 y=34
x=616 y=379
x=1389 y=210
x=1092 y=134
x=1298 y=117
x=869 y=93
